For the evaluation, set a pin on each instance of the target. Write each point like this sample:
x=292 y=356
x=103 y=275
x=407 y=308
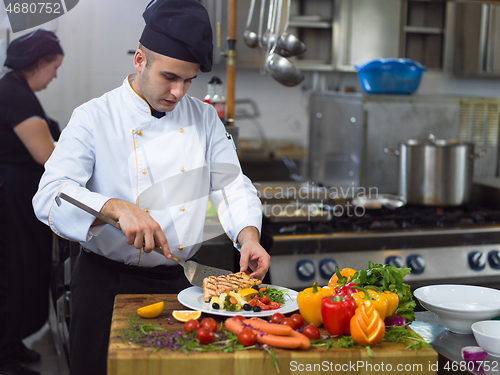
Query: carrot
x=284 y=342
x=279 y=341
x=304 y=341
x=234 y=325
x=267 y=327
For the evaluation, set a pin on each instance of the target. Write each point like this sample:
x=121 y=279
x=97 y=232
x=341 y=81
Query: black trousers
x=25 y=258
x=95 y=282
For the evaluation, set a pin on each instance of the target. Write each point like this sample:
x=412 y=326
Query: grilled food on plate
x=215 y=286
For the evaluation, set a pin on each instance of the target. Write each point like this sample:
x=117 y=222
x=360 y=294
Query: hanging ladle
x=267 y=39
x=251 y=39
x=279 y=67
x=288 y=44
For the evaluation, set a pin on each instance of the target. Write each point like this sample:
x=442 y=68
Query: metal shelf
x=423 y=30
x=314 y=65
x=311 y=24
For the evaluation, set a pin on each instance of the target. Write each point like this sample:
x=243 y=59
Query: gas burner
x=417 y=217
x=386 y=220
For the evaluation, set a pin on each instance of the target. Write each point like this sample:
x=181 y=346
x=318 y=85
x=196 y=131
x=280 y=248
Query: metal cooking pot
x=435 y=172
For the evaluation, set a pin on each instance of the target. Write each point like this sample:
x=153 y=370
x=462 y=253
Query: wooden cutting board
x=129 y=359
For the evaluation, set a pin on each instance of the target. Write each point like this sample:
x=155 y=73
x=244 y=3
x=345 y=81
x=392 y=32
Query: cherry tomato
x=239 y=317
x=311 y=331
x=289 y=322
x=264 y=299
x=274 y=305
x=277 y=317
x=191 y=325
x=297 y=318
x=205 y=336
x=209 y=323
x=246 y=337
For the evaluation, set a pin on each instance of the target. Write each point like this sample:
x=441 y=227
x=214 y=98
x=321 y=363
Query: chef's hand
x=140 y=229
x=253 y=257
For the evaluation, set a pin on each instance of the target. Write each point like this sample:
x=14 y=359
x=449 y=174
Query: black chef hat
x=179 y=29
x=27 y=49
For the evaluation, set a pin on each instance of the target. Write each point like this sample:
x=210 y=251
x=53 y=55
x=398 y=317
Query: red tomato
x=277 y=317
x=274 y=305
x=264 y=299
x=311 y=331
x=253 y=301
x=289 y=322
x=246 y=337
x=297 y=318
x=205 y=336
x=262 y=305
x=191 y=325
x=239 y=317
x=209 y=323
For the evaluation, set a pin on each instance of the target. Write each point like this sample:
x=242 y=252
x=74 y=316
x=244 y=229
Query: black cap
x=179 y=29
x=27 y=49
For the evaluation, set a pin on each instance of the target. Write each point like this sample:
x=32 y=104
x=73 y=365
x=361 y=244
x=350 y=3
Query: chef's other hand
x=140 y=229
x=253 y=257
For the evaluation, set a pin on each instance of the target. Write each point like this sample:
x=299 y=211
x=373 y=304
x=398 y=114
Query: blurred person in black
x=27 y=138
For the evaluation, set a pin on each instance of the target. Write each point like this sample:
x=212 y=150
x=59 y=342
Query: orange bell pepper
x=309 y=302
x=367 y=328
x=379 y=299
x=345 y=276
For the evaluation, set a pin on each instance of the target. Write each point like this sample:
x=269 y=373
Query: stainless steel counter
x=449 y=346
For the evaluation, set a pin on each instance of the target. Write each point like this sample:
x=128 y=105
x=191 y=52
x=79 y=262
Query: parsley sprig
x=389 y=278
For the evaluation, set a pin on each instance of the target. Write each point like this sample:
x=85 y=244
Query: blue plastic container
x=390 y=76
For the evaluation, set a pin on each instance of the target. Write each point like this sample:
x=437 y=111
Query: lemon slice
x=151 y=311
x=249 y=292
x=185 y=315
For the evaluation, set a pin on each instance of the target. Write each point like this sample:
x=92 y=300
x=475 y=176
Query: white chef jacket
x=113 y=147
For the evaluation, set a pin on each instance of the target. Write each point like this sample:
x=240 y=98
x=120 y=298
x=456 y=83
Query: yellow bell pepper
x=392 y=302
x=367 y=328
x=379 y=300
x=309 y=302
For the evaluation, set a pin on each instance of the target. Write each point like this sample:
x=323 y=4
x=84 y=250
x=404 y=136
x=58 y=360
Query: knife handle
x=98 y=215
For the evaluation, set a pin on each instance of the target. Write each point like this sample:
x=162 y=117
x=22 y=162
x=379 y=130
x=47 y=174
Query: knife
x=194 y=272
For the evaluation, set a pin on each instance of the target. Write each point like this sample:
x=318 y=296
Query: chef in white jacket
x=149 y=157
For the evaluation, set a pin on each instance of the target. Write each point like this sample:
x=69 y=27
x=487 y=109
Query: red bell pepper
x=347 y=289
x=337 y=312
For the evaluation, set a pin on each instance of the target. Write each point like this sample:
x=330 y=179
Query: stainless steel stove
x=439 y=244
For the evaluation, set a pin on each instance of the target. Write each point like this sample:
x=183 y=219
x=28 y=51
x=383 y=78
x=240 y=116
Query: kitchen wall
x=97 y=35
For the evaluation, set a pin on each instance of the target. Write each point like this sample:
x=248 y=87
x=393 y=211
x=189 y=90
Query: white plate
x=193 y=298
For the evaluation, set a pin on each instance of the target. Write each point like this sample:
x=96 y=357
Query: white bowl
x=457 y=307
x=487 y=335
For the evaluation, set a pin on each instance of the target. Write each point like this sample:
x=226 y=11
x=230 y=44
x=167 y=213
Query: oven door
x=64 y=254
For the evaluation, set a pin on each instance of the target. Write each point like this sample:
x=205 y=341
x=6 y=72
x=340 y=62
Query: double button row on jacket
x=182 y=170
